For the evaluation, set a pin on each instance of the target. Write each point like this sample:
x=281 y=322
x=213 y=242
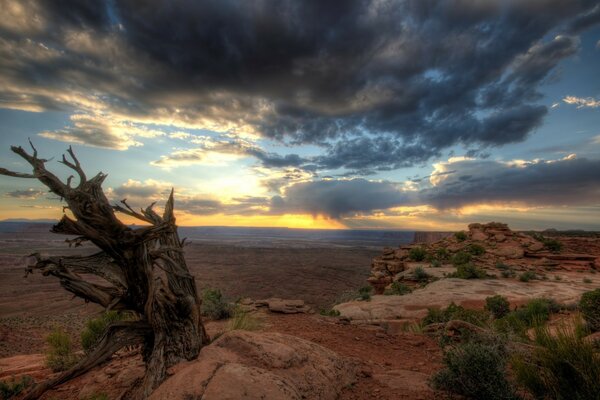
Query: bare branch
x=4 y=171
x=118 y=335
x=75 y=165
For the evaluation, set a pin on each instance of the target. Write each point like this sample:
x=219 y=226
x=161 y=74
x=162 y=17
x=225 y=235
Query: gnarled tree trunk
x=144 y=270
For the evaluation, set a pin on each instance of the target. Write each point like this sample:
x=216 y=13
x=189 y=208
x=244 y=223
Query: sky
x=309 y=114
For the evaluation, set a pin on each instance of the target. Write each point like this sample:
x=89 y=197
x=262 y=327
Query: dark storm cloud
x=335 y=198
x=410 y=77
x=565 y=182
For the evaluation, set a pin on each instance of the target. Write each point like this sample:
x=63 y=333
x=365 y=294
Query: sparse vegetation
x=557 y=278
x=476 y=249
x=243 y=320
x=552 y=245
x=417 y=254
x=527 y=276
x=461 y=258
x=214 y=305
x=95 y=328
x=534 y=313
x=420 y=275
x=398 y=288
x=365 y=293
x=508 y=273
x=13 y=387
x=562 y=366
x=476 y=371
x=453 y=311
x=501 y=266
x=497 y=305
x=461 y=236
x=589 y=305
x=329 y=312
x=587 y=280
x=468 y=271
x=60 y=356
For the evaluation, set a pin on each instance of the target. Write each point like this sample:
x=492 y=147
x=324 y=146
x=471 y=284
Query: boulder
x=250 y=365
x=285 y=306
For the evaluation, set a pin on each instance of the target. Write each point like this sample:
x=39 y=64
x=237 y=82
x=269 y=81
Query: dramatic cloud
x=334 y=198
x=217 y=151
x=455 y=184
x=582 y=102
x=410 y=77
x=28 y=194
x=99 y=131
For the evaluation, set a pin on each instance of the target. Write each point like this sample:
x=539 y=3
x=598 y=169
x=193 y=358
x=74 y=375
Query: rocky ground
x=373 y=349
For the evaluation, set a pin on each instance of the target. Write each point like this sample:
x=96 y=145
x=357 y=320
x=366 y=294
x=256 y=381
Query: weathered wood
x=144 y=270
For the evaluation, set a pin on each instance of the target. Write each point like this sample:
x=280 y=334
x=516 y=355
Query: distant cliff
x=430 y=237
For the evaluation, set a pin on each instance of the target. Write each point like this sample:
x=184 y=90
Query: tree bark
x=144 y=270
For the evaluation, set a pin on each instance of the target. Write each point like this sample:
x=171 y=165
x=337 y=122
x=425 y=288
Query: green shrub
x=242 y=320
x=436 y=263
x=214 y=305
x=59 y=356
x=476 y=249
x=365 y=293
x=398 y=288
x=553 y=245
x=534 y=313
x=497 y=305
x=417 y=254
x=12 y=388
x=461 y=258
x=329 y=312
x=94 y=329
x=562 y=366
x=587 y=280
x=589 y=305
x=527 y=276
x=508 y=273
x=557 y=278
x=442 y=254
x=460 y=236
x=420 y=275
x=501 y=266
x=468 y=271
x=453 y=311
x=475 y=371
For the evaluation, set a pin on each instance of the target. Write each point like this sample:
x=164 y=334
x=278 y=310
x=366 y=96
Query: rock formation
x=487 y=245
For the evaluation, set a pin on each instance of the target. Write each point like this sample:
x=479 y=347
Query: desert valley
x=368 y=322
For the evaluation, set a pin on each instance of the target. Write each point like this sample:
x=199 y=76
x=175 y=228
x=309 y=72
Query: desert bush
x=475 y=371
x=534 y=313
x=417 y=254
x=436 y=263
x=442 y=254
x=468 y=271
x=587 y=280
x=497 y=305
x=12 y=388
x=94 y=329
x=214 y=305
x=527 y=276
x=59 y=356
x=553 y=245
x=365 y=293
x=562 y=366
x=329 y=312
x=243 y=320
x=420 y=274
x=589 y=305
x=460 y=236
x=501 y=266
x=453 y=311
x=476 y=249
x=509 y=273
x=461 y=258
x=397 y=288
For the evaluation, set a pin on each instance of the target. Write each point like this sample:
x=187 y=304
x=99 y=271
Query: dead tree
x=143 y=270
